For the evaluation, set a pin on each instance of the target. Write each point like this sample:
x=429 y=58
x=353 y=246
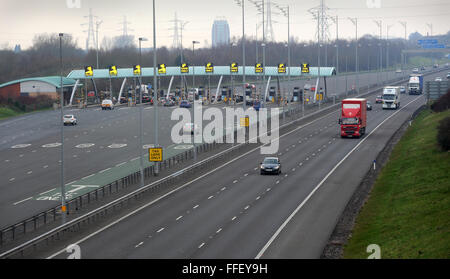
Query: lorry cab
x=353 y=117
x=391 y=97
x=415 y=85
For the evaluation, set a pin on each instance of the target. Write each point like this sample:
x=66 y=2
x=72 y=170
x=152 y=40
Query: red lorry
x=353 y=117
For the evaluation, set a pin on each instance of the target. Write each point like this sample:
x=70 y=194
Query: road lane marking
x=47 y=192
x=22 y=201
x=195 y=206
x=234 y=218
x=121 y=164
x=210 y=197
x=160 y=230
x=300 y=206
x=105 y=170
x=179 y=217
x=88 y=176
x=201 y=245
x=219 y=230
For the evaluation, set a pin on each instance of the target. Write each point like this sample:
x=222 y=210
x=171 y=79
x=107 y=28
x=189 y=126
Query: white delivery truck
x=391 y=97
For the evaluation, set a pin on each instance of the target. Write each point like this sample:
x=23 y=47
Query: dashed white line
x=179 y=217
x=234 y=182
x=12 y=179
x=223 y=189
x=247 y=207
x=121 y=164
x=219 y=230
x=234 y=218
x=195 y=206
x=22 y=201
x=105 y=170
x=139 y=245
x=88 y=176
x=160 y=230
x=210 y=197
x=258 y=197
x=201 y=245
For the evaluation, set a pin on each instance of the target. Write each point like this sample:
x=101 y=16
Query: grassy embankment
x=408 y=211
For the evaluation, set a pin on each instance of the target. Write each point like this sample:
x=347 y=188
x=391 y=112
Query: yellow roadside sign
x=305 y=68
x=112 y=70
x=209 y=68
x=137 y=69
x=155 y=154
x=184 y=68
x=245 y=121
x=258 y=68
x=281 y=68
x=234 y=67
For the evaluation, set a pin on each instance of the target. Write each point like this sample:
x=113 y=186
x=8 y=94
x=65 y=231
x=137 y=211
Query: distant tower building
x=17 y=49
x=220 y=33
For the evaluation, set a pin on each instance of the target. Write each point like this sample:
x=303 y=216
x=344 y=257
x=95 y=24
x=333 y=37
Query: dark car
x=369 y=105
x=379 y=99
x=271 y=165
x=145 y=98
x=169 y=103
x=185 y=104
x=402 y=90
x=256 y=105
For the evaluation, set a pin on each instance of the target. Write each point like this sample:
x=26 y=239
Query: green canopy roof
x=200 y=71
x=53 y=80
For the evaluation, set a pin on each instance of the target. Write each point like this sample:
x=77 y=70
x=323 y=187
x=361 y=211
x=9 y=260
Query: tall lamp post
x=193 y=98
x=355 y=22
x=155 y=86
x=140 y=115
x=63 y=191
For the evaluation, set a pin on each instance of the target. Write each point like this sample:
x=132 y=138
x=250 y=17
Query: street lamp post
x=63 y=192
x=155 y=86
x=193 y=98
x=140 y=116
x=355 y=22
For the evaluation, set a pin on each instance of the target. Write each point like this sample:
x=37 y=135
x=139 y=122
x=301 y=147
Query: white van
x=391 y=97
x=107 y=104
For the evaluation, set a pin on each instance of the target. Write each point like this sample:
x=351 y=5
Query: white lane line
x=160 y=230
x=268 y=189
x=46 y=192
x=139 y=245
x=195 y=206
x=105 y=170
x=247 y=207
x=278 y=181
x=12 y=179
x=258 y=197
x=234 y=218
x=210 y=197
x=219 y=230
x=223 y=189
x=134 y=159
x=234 y=182
x=179 y=217
x=300 y=206
x=118 y=165
x=246 y=174
x=88 y=176
x=201 y=245
x=181 y=187
x=30 y=172
x=22 y=201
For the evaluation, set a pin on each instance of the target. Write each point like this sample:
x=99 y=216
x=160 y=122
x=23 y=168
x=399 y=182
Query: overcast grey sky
x=20 y=20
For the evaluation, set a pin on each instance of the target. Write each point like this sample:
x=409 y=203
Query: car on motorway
x=422 y=68
x=271 y=165
x=402 y=90
x=415 y=70
x=69 y=119
x=169 y=103
x=398 y=71
x=379 y=99
x=107 y=104
x=185 y=104
x=146 y=98
x=448 y=75
x=438 y=79
x=436 y=66
x=190 y=128
x=256 y=105
x=369 y=105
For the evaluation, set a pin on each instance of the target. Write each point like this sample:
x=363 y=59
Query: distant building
x=17 y=49
x=220 y=33
x=38 y=86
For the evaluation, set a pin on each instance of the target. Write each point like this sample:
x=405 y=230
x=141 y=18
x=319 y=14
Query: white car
x=398 y=71
x=107 y=104
x=190 y=128
x=415 y=70
x=69 y=120
x=438 y=79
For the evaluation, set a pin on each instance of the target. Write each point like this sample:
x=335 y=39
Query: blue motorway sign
x=427 y=42
x=433 y=46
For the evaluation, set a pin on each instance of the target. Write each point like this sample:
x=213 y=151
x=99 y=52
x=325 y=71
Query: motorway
x=234 y=212
x=103 y=140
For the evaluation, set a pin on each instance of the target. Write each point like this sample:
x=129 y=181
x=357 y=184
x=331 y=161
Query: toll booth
x=297 y=94
x=272 y=94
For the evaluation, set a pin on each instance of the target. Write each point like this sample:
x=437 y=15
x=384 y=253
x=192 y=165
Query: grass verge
x=408 y=211
x=6 y=112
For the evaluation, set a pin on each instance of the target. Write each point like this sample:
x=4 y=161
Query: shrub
x=443 y=136
x=443 y=103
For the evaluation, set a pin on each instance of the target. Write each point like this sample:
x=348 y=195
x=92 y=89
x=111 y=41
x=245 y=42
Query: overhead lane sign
x=209 y=68
x=281 y=68
x=137 y=70
x=162 y=69
x=305 y=68
x=234 y=67
x=88 y=71
x=184 y=68
x=113 y=70
x=259 y=68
